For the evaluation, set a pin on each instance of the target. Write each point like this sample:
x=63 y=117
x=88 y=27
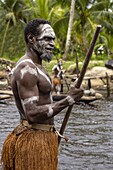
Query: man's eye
x=47 y=38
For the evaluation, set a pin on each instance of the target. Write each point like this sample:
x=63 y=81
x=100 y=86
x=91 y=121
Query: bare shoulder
x=25 y=71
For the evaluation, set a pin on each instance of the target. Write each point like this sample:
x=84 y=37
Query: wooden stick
x=80 y=79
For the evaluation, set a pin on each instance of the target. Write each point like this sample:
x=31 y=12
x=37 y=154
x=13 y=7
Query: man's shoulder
x=25 y=62
x=24 y=65
x=25 y=70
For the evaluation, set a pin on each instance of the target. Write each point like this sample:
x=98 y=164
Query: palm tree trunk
x=4 y=38
x=84 y=41
x=69 y=30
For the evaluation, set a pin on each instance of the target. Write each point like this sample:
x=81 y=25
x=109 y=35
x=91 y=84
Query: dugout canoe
x=85 y=99
x=5 y=94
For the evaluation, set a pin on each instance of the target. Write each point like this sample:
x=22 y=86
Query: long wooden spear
x=80 y=79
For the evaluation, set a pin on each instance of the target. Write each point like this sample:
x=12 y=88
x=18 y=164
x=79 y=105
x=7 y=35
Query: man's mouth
x=49 y=50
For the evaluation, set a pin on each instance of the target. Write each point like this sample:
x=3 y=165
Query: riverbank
x=95 y=77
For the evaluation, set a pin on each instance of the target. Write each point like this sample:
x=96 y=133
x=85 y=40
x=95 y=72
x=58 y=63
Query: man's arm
x=34 y=109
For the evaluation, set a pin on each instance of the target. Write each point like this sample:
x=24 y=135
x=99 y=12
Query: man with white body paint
x=33 y=144
x=58 y=77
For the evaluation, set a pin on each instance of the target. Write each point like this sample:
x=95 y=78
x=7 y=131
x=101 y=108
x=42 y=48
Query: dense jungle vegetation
x=14 y=14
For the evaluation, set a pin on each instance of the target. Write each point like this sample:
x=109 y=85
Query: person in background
x=9 y=72
x=58 y=76
x=33 y=144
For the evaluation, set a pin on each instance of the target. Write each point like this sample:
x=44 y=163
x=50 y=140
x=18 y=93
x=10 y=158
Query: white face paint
x=28 y=69
x=45 y=42
x=30 y=100
x=47 y=31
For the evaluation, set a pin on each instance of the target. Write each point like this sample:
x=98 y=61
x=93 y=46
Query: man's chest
x=44 y=81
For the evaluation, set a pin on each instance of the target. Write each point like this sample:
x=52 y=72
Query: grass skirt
x=30 y=150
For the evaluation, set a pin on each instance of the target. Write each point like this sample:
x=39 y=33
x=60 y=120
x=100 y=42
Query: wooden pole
x=80 y=79
x=108 y=85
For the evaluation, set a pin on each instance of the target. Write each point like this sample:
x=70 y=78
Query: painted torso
x=44 y=85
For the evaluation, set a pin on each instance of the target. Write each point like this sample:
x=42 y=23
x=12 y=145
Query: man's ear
x=31 y=38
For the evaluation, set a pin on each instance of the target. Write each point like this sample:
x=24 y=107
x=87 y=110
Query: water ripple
x=90 y=133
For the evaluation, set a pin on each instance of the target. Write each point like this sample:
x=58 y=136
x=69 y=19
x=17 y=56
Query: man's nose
x=52 y=43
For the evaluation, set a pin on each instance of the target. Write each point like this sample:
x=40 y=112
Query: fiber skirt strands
x=30 y=150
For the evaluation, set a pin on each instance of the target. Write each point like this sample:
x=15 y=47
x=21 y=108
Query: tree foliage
x=14 y=14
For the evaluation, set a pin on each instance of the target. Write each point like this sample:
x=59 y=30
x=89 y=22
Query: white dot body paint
x=70 y=100
x=50 y=112
x=30 y=100
x=28 y=69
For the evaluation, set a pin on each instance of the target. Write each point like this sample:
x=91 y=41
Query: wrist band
x=70 y=100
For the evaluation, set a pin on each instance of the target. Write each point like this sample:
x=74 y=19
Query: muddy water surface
x=90 y=132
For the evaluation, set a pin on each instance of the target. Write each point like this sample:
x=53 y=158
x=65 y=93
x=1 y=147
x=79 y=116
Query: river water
x=90 y=132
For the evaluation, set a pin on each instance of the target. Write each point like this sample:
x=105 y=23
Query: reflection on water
x=90 y=132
